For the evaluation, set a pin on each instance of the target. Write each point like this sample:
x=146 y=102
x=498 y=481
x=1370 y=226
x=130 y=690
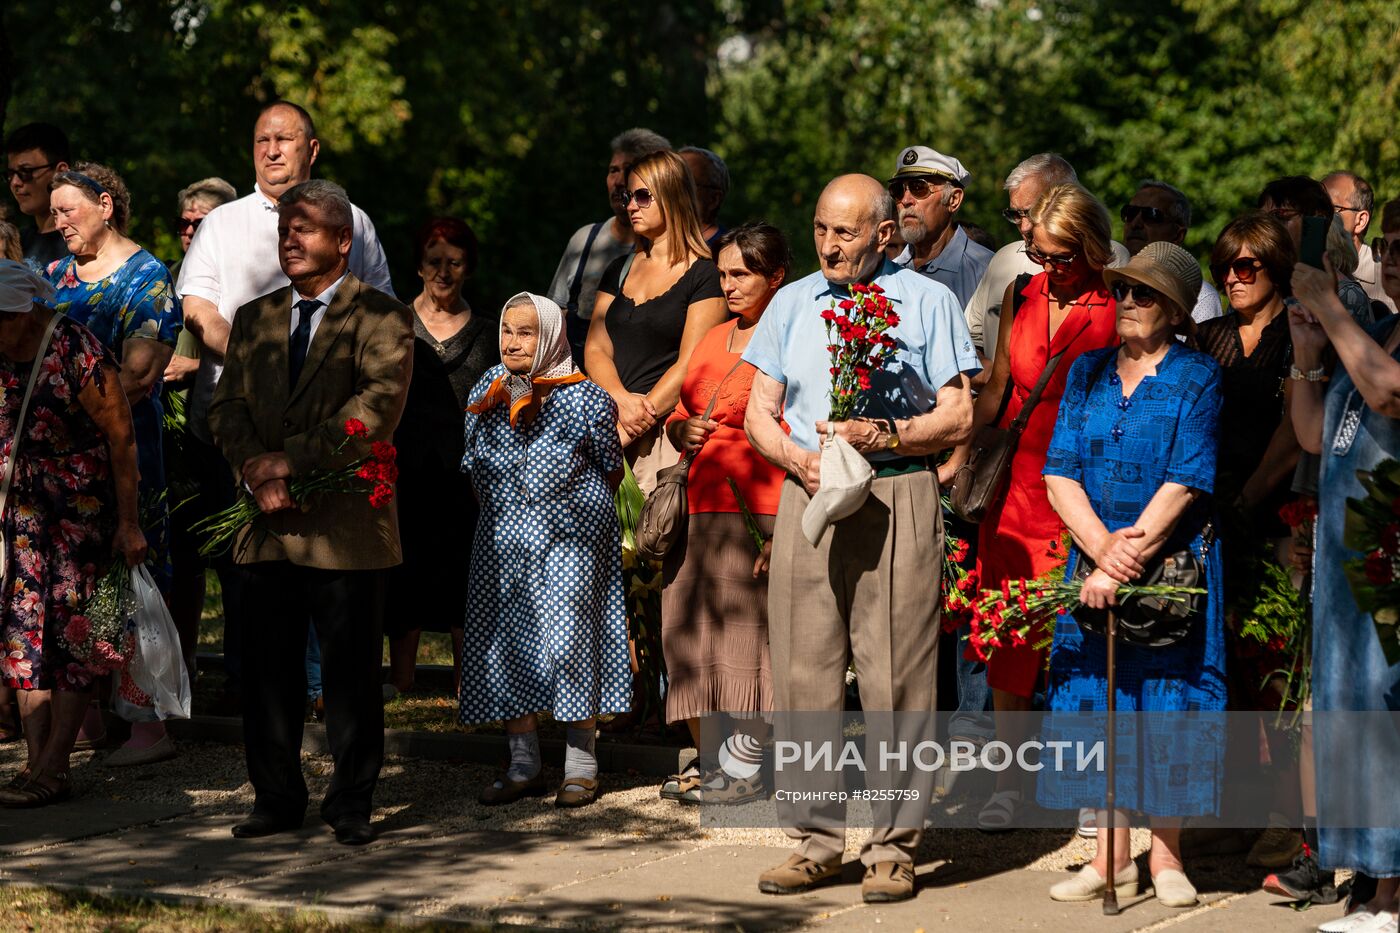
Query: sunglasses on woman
x=1144 y=296
x=1045 y=259
x=1382 y=251
x=642 y=196
x=183 y=225
x=1246 y=269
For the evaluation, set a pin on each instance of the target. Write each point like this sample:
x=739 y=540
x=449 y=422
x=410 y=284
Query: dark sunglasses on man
x=1246 y=269
x=1151 y=215
x=1015 y=216
x=920 y=188
x=642 y=196
x=183 y=225
x=26 y=173
x=1045 y=259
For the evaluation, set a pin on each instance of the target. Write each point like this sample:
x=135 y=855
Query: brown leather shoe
x=887 y=882
x=576 y=798
x=510 y=791
x=798 y=874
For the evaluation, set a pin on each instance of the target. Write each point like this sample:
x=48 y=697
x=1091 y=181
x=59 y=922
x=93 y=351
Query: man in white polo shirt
x=232 y=261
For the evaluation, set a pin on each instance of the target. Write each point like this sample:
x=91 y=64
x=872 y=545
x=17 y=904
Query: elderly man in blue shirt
x=928 y=187
x=868 y=590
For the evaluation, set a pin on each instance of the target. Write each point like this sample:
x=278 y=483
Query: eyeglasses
x=920 y=188
x=1385 y=251
x=1044 y=259
x=1246 y=268
x=1342 y=209
x=1015 y=216
x=1284 y=213
x=26 y=173
x=1144 y=296
x=1151 y=215
x=642 y=196
x=182 y=225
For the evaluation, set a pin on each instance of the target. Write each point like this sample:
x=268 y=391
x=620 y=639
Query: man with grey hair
x=232 y=260
x=303 y=364
x=928 y=188
x=711 y=188
x=594 y=246
x=1354 y=200
x=1024 y=186
x=1160 y=212
x=861 y=591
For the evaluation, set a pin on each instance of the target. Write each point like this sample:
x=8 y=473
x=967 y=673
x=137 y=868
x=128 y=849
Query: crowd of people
x=1157 y=413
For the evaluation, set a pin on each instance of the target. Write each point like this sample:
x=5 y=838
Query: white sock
x=524 y=756
x=579 y=758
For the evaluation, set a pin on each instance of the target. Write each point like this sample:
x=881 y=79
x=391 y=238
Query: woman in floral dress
x=72 y=501
x=126 y=297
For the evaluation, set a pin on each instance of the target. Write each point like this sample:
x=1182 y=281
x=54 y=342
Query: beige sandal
x=576 y=798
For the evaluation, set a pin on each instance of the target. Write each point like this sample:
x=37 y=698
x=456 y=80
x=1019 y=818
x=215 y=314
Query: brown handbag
x=666 y=511
x=982 y=478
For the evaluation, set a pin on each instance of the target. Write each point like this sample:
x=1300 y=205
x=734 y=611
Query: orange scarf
x=526 y=405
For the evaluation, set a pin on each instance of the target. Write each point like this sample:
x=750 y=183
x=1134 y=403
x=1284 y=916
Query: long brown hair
x=668 y=179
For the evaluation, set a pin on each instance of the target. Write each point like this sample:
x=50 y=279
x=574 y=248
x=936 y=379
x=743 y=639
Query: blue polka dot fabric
x=546 y=626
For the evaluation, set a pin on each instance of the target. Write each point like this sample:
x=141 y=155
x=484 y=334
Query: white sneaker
x=1362 y=921
x=1088 y=823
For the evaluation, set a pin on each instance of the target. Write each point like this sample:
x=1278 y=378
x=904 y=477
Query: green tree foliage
x=501 y=113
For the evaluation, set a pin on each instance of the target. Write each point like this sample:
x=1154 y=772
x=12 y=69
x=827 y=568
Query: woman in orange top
x=1064 y=308
x=714 y=609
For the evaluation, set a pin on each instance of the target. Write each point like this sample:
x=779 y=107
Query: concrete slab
x=1258 y=912
x=84 y=816
x=476 y=873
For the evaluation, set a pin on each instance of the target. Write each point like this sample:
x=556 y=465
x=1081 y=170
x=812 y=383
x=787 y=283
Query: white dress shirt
x=325 y=299
x=233 y=260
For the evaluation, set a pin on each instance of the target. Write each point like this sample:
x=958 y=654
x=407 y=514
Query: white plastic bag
x=157 y=663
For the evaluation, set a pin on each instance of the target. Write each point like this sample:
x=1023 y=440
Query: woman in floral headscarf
x=545 y=625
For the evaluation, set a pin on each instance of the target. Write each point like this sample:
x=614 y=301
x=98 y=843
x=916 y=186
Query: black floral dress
x=60 y=516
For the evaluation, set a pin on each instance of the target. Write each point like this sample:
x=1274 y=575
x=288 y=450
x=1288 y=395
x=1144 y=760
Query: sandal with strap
x=576 y=792
x=718 y=787
x=34 y=793
x=999 y=812
x=678 y=785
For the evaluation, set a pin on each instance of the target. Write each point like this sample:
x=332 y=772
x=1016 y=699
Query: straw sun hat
x=1167 y=269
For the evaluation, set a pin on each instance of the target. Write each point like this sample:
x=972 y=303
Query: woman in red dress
x=1064 y=308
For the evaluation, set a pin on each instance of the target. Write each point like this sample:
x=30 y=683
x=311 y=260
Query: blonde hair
x=1071 y=215
x=9 y=242
x=668 y=179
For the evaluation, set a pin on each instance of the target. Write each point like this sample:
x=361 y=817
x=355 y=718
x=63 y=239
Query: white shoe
x=126 y=756
x=1362 y=921
x=1088 y=823
x=1087 y=884
x=1173 y=889
x=999 y=812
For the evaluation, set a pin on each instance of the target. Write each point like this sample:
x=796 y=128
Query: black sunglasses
x=642 y=196
x=920 y=188
x=26 y=173
x=1246 y=269
x=1015 y=216
x=1151 y=215
x=1144 y=296
x=1045 y=259
x=182 y=225
x=1381 y=251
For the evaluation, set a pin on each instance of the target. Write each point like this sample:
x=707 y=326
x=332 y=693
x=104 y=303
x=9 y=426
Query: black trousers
x=345 y=606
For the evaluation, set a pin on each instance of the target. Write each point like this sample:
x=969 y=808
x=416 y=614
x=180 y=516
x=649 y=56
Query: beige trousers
x=868 y=592
x=649 y=454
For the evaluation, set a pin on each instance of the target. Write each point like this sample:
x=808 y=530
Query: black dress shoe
x=258 y=825
x=353 y=831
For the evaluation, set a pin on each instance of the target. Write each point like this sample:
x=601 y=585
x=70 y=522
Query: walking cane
x=1110 y=891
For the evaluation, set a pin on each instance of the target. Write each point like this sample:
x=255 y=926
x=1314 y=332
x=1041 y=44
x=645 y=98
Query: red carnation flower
x=354 y=427
x=1377 y=569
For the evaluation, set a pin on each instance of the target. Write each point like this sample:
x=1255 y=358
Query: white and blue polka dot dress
x=546 y=626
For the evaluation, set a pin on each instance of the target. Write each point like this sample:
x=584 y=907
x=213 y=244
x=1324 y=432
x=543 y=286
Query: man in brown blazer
x=302 y=361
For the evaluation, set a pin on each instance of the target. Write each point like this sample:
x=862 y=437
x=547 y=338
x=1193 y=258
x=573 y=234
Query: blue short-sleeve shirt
x=933 y=345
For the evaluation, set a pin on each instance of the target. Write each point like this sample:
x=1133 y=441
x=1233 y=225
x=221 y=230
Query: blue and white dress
x=546 y=626
x=1122 y=450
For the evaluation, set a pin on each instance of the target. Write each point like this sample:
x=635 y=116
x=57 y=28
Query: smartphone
x=1314 y=242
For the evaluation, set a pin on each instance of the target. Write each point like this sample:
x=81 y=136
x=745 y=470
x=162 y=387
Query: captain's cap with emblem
x=921 y=160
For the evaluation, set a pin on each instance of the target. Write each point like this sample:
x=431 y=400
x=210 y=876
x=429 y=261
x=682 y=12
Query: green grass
x=45 y=909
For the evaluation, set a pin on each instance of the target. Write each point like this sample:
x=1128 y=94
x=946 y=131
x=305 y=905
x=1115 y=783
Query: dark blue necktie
x=301 y=337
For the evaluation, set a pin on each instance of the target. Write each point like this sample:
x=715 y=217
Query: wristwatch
x=1311 y=375
x=893 y=442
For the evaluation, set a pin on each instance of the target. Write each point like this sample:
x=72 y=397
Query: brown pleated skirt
x=714 y=620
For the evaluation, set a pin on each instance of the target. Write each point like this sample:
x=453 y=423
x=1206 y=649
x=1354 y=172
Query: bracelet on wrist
x=1311 y=375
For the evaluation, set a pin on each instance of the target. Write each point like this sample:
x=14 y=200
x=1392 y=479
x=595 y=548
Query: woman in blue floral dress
x=545 y=627
x=126 y=297
x=1130 y=470
x=72 y=501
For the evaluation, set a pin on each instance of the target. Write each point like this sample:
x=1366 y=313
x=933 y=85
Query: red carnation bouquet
x=373 y=475
x=858 y=343
x=959 y=583
x=1373 y=528
x=1021 y=612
